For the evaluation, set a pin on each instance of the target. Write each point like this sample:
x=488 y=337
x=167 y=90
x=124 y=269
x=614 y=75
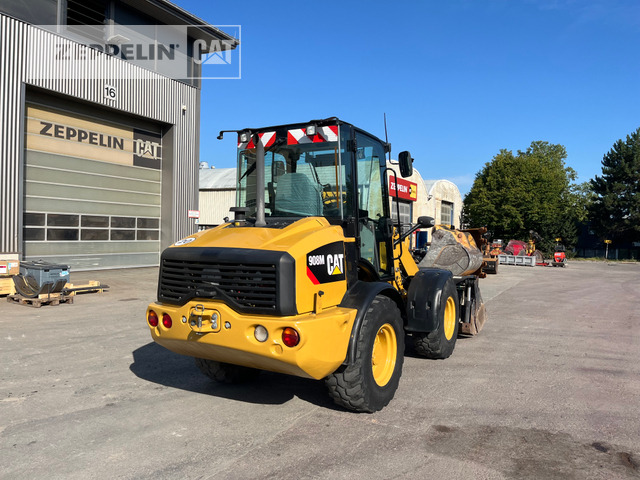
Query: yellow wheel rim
x=449 y=318
x=385 y=352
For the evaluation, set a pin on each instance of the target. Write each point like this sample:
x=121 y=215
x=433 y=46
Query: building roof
x=429 y=185
x=217 y=178
x=172 y=14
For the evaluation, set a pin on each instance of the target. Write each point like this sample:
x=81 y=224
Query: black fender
x=360 y=297
x=423 y=299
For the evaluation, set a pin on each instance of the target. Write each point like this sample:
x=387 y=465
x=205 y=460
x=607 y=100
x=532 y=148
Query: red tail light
x=166 y=321
x=290 y=337
x=152 y=318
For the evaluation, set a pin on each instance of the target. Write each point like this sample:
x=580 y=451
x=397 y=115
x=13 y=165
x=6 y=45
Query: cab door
x=373 y=209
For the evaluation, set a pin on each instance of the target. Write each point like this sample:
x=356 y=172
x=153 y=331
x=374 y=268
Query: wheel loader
x=311 y=277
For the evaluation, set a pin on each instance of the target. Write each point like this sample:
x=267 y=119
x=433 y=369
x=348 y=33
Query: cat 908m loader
x=311 y=277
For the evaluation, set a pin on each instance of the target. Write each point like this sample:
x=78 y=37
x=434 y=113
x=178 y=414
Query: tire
x=439 y=343
x=226 y=372
x=371 y=381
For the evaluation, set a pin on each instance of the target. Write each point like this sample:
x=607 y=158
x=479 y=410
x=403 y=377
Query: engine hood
x=315 y=246
x=298 y=238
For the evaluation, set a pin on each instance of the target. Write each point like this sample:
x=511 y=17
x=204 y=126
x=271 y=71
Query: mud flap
x=476 y=323
x=478 y=314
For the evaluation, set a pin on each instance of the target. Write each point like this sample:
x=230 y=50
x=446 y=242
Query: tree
x=615 y=211
x=531 y=190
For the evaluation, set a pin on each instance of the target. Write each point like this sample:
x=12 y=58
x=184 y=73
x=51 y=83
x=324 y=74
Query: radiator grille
x=248 y=286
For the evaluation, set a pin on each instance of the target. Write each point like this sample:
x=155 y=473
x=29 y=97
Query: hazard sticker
x=326 y=264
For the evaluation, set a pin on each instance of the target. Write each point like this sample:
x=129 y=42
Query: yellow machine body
x=323 y=326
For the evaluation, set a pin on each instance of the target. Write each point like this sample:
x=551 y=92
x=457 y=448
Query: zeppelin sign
x=406 y=190
x=63 y=133
x=83 y=136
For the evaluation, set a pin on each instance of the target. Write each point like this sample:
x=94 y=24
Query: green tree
x=531 y=190
x=615 y=211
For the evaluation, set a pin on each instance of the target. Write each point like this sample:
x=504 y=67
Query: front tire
x=439 y=343
x=371 y=381
x=226 y=372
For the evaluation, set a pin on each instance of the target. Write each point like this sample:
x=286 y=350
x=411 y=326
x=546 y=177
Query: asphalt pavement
x=550 y=389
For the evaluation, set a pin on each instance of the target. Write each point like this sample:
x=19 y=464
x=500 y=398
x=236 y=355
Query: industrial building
x=217 y=194
x=440 y=199
x=99 y=140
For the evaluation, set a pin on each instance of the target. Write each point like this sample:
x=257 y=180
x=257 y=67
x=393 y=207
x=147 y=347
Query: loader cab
x=326 y=168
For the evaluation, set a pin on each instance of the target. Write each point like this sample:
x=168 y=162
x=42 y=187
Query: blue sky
x=458 y=79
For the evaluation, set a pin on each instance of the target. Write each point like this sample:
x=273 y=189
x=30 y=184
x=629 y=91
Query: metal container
x=41 y=278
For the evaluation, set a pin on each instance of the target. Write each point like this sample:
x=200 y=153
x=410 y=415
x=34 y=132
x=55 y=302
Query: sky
x=459 y=80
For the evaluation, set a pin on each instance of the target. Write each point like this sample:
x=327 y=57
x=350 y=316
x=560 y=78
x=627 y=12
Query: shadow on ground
x=156 y=364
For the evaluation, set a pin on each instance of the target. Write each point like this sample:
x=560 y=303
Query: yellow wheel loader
x=311 y=277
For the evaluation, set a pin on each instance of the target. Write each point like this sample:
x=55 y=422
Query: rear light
x=166 y=321
x=152 y=318
x=290 y=337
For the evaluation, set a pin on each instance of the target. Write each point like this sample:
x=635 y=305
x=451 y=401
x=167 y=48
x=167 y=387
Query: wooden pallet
x=92 y=287
x=37 y=302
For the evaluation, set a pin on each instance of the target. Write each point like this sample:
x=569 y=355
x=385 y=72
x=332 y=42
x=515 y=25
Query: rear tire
x=439 y=343
x=371 y=381
x=226 y=372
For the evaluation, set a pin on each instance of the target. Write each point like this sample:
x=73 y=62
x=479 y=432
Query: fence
x=614 y=253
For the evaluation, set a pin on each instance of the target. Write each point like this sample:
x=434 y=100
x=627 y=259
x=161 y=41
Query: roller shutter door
x=92 y=190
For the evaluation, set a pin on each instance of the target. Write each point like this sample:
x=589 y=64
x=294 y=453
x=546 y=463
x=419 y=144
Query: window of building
x=88 y=18
x=38 y=12
x=446 y=213
x=62 y=227
x=86 y=12
x=405 y=214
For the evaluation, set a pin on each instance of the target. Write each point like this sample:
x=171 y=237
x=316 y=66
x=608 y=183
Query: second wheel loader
x=311 y=277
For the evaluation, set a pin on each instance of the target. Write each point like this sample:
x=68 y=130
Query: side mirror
x=426 y=222
x=406 y=164
x=423 y=222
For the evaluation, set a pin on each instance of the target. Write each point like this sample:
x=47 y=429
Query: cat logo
x=326 y=264
x=335 y=264
x=413 y=191
x=146 y=149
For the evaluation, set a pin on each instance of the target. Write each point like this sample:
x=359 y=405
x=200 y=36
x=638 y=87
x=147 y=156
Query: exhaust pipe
x=260 y=221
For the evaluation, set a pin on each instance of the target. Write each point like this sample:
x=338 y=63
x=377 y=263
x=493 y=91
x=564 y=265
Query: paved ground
x=549 y=390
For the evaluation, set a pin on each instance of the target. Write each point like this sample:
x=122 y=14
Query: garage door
x=92 y=191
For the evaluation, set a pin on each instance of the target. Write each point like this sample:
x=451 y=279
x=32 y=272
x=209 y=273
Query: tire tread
x=347 y=386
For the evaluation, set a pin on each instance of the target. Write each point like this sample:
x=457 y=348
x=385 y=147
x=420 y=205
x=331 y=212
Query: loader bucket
x=453 y=250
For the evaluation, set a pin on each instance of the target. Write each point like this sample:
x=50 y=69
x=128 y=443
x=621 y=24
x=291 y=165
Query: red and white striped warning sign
x=266 y=139
x=323 y=134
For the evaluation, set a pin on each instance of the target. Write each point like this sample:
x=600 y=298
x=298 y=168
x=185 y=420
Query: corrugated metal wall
x=12 y=39
x=215 y=205
x=28 y=57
